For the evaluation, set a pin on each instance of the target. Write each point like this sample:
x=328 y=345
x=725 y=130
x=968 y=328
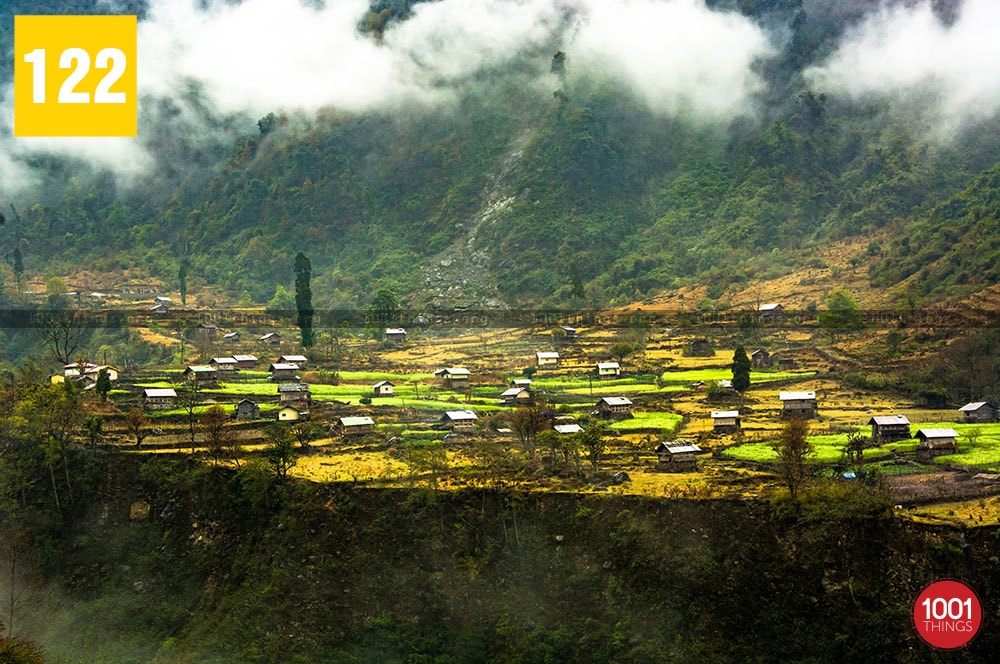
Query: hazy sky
x=679 y=57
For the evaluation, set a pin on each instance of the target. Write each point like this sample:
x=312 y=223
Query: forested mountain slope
x=542 y=181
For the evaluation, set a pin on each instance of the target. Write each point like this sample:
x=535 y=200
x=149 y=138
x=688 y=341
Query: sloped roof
x=283 y=366
x=724 y=414
x=395 y=330
x=796 y=396
x=224 y=360
x=384 y=382
x=154 y=392
x=293 y=387
x=245 y=358
x=356 y=421
x=547 y=355
x=937 y=433
x=453 y=371
x=616 y=401
x=975 y=405
x=567 y=428
x=608 y=365
x=460 y=415
x=678 y=447
x=200 y=368
x=883 y=420
x=292 y=359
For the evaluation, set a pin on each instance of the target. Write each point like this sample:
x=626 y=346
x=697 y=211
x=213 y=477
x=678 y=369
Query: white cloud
x=951 y=74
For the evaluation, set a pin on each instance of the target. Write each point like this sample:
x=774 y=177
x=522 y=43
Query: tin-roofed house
x=677 y=457
x=158 y=398
x=797 y=404
x=725 y=421
x=300 y=360
x=608 y=370
x=295 y=394
x=384 y=388
x=224 y=364
x=516 y=396
x=454 y=378
x=282 y=371
x=459 y=420
x=760 y=359
x=245 y=361
x=547 y=359
x=935 y=442
x=355 y=426
x=614 y=408
x=200 y=374
x=979 y=411
x=395 y=335
x=889 y=428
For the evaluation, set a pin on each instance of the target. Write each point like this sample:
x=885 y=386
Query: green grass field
x=655 y=420
x=756 y=377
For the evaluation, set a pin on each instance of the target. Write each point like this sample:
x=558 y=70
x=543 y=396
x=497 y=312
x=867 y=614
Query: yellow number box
x=74 y=76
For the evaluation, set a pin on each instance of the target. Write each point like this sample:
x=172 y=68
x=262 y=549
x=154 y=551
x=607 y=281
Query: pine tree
x=741 y=372
x=303 y=298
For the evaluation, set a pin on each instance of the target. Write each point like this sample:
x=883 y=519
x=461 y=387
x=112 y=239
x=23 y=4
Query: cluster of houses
x=85 y=374
x=932 y=441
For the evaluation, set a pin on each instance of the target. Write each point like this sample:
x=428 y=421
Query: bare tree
x=217 y=436
x=63 y=334
x=793 y=447
x=137 y=424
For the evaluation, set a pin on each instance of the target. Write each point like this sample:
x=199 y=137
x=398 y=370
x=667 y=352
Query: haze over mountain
x=566 y=152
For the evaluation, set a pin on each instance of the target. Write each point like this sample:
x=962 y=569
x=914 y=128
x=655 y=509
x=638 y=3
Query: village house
x=516 y=396
x=158 y=398
x=282 y=371
x=567 y=429
x=289 y=414
x=459 y=420
x=979 y=411
x=608 y=370
x=935 y=442
x=396 y=335
x=247 y=410
x=677 y=457
x=797 y=404
x=296 y=394
x=725 y=421
x=520 y=382
x=355 y=426
x=160 y=310
x=207 y=330
x=231 y=337
x=94 y=370
x=569 y=333
x=889 y=428
x=271 y=338
x=760 y=359
x=300 y=360
x=200 y=374
x=787 y=364
x=614 y=408
x=384 y=388
x=224 y=364
x=547 y=360
x=455 y=378
x=771 y=312
x=699 y=348
x=245 y=361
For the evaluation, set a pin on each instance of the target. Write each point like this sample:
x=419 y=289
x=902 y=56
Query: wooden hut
x=797 y=404
x=725 y=421
x=889 y=428
x=677 y=457
x=614 y=408
x=355 y=426
x=935 y=442
x=979 y=411
x=247 y=410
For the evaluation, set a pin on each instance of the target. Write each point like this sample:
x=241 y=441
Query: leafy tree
x=741 y=372
x=383 y=310
x=281 y=303
x=16 y=651
x=103 y=385
x=57 y=294
x=306 y=432
x=793 y=448
x=622 y=349
x=527 y=422
x=95 y=429
x=303 y=298
x=280 y=451
x=592 y=440
x=842 y=313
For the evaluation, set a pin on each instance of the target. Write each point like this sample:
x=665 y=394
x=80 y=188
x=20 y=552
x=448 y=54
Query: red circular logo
x=947 y=614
